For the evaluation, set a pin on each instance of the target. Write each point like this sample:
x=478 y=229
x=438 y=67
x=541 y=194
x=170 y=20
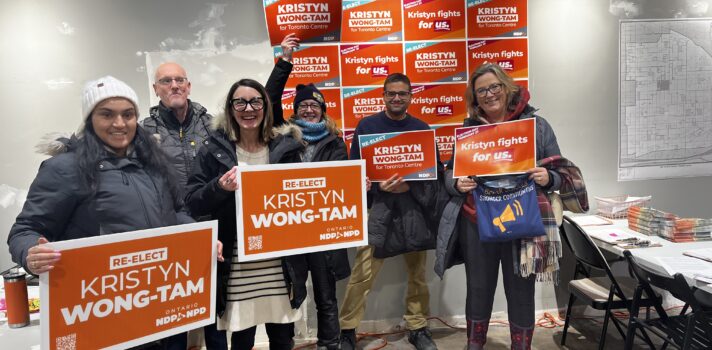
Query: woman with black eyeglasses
x=261 y=292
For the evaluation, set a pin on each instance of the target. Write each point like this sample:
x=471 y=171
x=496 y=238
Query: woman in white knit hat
x=109 y=177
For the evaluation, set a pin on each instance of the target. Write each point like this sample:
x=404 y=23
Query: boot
x=477 y=334
x=521 y=337
x=348 y=339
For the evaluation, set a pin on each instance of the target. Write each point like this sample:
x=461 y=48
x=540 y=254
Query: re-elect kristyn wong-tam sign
x=287 y=209
x=495 y=149
x=122 y=290
x=410 y=154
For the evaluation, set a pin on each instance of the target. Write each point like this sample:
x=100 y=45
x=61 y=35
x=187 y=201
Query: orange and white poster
x=370 y=64
x=495 y=149
x=359 y=103
x=496 y=18
x=436 y=61
x=511 y=54
x=433 y=19
x=332 y=98
x=410 y=154
x=371 y=20
x=300 y=208
x=348 y=138
x=122 y=290
x=445 y=138
x=313 y=64
x=311 y=20
x=439 y=104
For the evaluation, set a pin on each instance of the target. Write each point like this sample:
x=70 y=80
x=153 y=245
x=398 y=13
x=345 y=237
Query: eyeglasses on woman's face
x=240 y=105
x=492 y=89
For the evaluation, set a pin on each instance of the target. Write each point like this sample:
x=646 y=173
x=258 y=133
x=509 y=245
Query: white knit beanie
x=99 y=90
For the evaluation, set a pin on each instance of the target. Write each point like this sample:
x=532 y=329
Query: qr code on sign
x=67 y=342
x=254 y=243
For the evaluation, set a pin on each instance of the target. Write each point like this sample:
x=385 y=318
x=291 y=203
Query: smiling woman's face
x=114 y=121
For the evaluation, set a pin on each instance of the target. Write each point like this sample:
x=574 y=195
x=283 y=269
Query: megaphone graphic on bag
x=508 y=215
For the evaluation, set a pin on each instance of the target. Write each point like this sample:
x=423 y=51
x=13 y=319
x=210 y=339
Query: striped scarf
x=540 y=255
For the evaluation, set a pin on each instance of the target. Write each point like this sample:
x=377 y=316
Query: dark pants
x=482 y=270
x=327 y=309
x=214 y=339
x=280 y=337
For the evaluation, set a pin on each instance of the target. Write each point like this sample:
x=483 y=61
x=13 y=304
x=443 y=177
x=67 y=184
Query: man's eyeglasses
x=167 y=81
x=393 y=94
x=305 y=106
x=492 y=89
x=240 y=105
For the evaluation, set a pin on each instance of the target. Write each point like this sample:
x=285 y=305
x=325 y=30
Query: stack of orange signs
x=126 y=289
x=409 y=154
x=495 y=149
x=287 y=209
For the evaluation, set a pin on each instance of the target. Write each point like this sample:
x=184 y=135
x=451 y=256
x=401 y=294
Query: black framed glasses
x=167 y=81
x=305 y=106
x=492 y=89
x=240 y=105
x=393 y=94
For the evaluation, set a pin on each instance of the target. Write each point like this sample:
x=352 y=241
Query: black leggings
x=482 y=270
x=327 y=309
x=280 y=337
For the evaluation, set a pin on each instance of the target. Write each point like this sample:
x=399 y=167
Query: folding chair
x=601 y=293
x=684 y=331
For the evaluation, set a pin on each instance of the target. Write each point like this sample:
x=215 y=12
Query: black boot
x=422 y=339
x=477 y=334
x=348 y=339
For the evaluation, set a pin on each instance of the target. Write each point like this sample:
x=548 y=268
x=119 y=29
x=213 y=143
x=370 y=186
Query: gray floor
x=582 y=335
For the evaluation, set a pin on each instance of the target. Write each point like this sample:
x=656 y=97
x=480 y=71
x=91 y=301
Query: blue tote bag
x=507 y=209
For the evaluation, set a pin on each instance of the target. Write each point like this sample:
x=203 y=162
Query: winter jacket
x=180 y=141
x=205 y=197
x=59 y=208
x=447 y=253
x=332 y=147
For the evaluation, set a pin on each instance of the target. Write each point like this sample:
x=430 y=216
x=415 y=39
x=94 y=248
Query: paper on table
x=704 y=254
x=610 y=235
x=686 y=266
x=591 y=220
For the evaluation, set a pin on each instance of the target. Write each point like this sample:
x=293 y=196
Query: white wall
x=49 y=48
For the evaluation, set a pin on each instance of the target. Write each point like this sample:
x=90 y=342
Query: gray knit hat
x=99 y=90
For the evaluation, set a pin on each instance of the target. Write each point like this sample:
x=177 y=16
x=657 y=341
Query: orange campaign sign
x=313 y=64
x=435 y=61
x=496 y=18
x=433 y=19
x=300 y=208
x=332 y=98
x=439 y=104
x=511 y=54
x=370 y=64
x=359 y=103
x=311 y=20
x=495 y=149
x=122 y=290
x=348 y=138
x=410 y=154
x=371 y=20
x=523 y=83
x=445 y=138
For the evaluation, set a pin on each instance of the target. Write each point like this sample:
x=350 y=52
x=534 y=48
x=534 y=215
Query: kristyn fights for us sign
x=126 y=289
x=411 y=154
x=495 y=149
x=287 y=209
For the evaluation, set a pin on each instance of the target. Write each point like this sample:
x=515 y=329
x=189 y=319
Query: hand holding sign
x=228 y=181
x=539 y=175
x=394 y=184
x=41 y=258
x=465 y=184
x=289 y=44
